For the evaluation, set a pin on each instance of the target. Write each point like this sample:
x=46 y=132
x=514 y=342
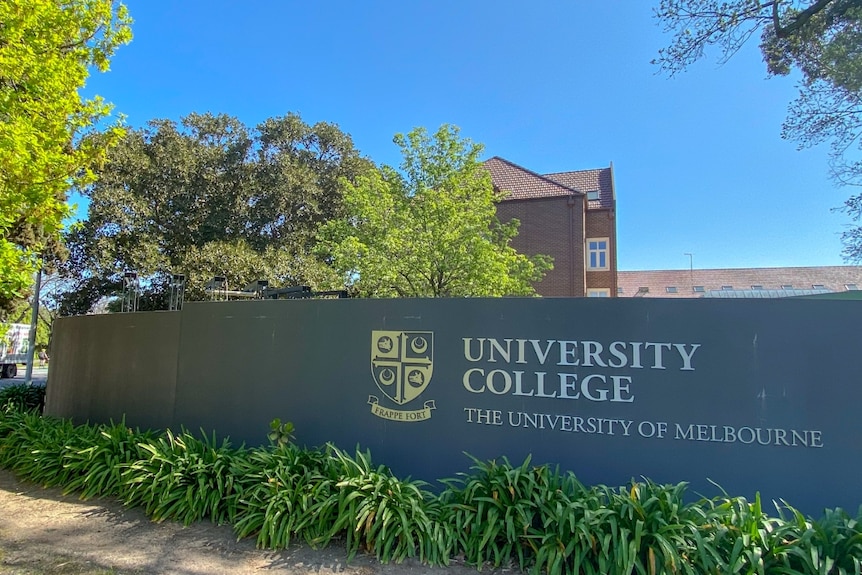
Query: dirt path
x=43 y=531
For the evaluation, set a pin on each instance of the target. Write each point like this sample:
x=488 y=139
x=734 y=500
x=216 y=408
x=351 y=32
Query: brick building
x=740 y=282
x=570 y=216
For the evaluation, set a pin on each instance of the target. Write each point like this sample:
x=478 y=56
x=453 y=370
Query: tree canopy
x=822 y=39
x=50 y=138
x=430 y=229
x=209 y=196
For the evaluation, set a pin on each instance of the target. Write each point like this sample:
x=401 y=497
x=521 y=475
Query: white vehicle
x=14 y=343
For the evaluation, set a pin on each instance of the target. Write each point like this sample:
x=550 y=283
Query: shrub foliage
x=23 y=397
x=529 y=516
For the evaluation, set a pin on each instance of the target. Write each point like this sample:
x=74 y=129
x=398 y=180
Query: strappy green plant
x=182 y=478
x=534 y=517
x=99 y=466
x=390 y=517
x=830 y=546
x=11 y=418
x=286 y=492
x=654 y=530
x=23 y=397
x=37 y=447
x=572 y=522
x=748 y=540
x=494 y=511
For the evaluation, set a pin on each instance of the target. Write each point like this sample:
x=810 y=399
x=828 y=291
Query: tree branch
x=805 y=16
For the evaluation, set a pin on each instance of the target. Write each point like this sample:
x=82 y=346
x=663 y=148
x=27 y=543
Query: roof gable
x=600 y=180
x=522 y=184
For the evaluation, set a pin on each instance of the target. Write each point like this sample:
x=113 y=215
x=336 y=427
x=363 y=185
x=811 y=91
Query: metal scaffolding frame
x=131 y=292
x=178 y=291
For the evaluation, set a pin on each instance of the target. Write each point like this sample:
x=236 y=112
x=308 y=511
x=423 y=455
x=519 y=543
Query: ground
x=43 y=531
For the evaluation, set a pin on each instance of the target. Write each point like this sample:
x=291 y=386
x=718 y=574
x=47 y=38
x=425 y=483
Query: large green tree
x=50 y=137
x=822 y=39
x=208 y=196
x=430 y=229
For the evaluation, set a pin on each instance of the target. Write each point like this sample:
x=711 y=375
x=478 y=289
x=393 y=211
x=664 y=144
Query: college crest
x=402 y=363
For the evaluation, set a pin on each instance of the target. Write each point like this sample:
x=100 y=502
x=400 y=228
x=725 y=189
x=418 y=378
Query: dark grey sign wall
x=756 y=395
x=106 y=366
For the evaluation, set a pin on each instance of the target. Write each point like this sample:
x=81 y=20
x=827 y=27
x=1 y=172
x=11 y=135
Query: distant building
x=570 y=216
x=739 y=282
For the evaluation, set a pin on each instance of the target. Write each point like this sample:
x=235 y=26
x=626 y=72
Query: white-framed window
x=597 y=254
x=698 y=289
x=670 y=289
x=599 y=292
x=851 y=287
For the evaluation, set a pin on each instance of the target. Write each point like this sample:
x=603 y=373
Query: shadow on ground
x=44 y=531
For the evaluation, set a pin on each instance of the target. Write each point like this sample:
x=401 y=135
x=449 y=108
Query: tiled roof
x=600 y=180
x=657 y=282
x=762 y=293
x=522 y=184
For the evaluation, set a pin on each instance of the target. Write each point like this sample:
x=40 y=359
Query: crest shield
x=402 y=363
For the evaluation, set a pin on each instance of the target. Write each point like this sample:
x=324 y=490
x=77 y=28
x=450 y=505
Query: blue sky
x=550 y=85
